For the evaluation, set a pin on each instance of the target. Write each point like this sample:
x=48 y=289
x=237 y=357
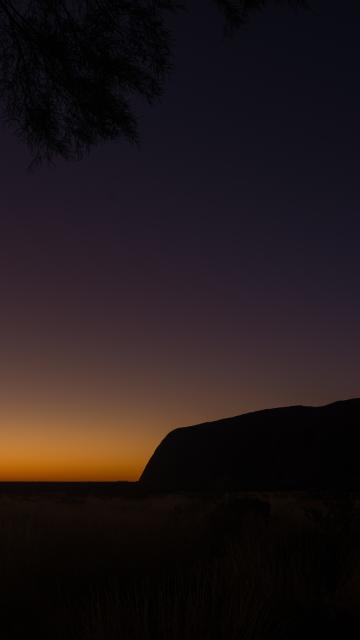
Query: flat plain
x=87 y=563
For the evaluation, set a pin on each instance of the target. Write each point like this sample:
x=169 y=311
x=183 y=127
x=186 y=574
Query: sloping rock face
x=276 y=449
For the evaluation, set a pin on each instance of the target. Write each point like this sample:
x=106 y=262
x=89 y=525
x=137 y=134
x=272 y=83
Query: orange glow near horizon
x=73 y=416
x=64 y=462
x=105 y=446
x=58 y=466
x=44 y=450
x=215 y=273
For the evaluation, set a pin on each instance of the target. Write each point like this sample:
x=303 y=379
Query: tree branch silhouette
x=69 y=69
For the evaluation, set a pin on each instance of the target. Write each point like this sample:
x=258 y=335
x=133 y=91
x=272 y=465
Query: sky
x=214 y=270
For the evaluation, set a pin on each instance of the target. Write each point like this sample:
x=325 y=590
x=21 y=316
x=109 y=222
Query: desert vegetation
x=171 y=567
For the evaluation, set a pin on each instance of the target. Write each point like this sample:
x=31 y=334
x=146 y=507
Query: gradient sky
x=214 y=271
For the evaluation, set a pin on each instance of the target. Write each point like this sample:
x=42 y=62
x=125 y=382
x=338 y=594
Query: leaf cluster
x=68 y=70
x=71 y=69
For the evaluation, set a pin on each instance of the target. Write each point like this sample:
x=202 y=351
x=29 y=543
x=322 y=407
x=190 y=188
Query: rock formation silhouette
x=288 y=448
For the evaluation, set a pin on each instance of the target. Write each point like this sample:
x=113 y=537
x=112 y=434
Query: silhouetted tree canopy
x=237 y=12
x=69 y=68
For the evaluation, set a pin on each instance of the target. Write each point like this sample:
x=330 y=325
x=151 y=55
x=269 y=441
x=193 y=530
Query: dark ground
x=105 y=561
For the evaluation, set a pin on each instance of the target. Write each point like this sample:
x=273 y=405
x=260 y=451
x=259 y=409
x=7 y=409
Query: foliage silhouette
x=69 y=69
x=237 y=12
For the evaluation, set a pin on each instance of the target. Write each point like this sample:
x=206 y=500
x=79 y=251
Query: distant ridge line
x=291 y=447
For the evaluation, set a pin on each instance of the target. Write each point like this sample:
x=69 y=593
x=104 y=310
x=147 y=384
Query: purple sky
x=212 y=271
